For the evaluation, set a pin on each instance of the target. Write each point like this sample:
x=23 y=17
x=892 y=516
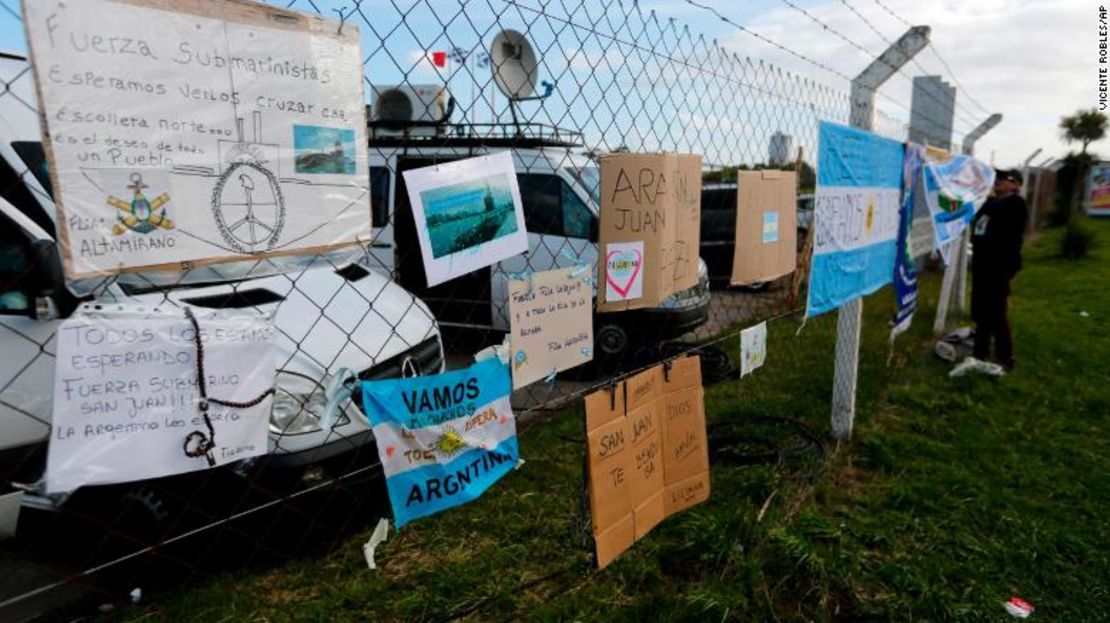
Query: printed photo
x=324 y=150
x=466 y=215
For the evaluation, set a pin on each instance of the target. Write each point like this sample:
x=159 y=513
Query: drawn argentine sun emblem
x=870 y=215
x=449 y=442
x=140 y=215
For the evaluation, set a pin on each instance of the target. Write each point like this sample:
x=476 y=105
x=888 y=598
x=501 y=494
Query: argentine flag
x=856 y=215
x=443 y=439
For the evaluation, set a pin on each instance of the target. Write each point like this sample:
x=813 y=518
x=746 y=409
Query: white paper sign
x=624 y=275
x=177 y=138
x=125 y=396
x=552 y=323
x=753 y=348
x=468 y=215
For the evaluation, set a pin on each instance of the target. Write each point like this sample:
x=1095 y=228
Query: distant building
x=778 y=150
x=931 y=111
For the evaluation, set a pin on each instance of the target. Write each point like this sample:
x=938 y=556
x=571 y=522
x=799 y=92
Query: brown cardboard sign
x=647 y=209
x=647 y=453
x=766 y=226
x=687 y=193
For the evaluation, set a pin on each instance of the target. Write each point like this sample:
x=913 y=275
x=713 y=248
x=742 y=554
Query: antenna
x=515 y=70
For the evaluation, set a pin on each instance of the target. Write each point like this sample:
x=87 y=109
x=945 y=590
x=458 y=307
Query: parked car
x=328 y=318
x=560 y=192
x=718 y=230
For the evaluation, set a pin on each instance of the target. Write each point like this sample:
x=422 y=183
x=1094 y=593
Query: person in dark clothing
x=996 y=236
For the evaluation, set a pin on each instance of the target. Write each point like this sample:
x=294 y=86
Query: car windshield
x=590 y=178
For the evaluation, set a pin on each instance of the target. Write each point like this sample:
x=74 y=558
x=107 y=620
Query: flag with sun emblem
x=856 y=215
x=443 y=439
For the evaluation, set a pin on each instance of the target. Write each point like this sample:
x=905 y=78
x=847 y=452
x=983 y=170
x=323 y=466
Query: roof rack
x=521 y=135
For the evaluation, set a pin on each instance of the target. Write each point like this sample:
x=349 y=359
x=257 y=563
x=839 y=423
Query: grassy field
x=953 y=496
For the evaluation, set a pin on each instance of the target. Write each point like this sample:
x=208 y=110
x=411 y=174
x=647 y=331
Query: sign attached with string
x=182 y=133
x=126 y=395
x=648 y=455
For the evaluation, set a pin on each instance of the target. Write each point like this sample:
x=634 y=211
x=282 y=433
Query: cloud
x=1032 y=61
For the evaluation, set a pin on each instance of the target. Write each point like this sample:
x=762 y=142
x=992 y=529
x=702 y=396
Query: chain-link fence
x=622 y=79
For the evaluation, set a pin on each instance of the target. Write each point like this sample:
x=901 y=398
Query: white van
x=559 y=189
x=328 y=318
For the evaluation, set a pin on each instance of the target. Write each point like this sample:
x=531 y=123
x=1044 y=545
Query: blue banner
x=905 y=269
x=443 y=439
x=856 y=215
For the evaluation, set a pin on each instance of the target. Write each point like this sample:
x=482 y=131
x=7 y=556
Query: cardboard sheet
x=766 y=226
x=650 y=212
x=648 y=454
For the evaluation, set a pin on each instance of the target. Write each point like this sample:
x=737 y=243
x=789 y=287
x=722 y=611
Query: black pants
x=990 y=299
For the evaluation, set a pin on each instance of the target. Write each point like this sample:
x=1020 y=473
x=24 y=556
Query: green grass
x=953 y=496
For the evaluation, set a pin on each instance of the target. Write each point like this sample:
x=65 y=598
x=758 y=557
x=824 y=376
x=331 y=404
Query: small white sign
x=770 y=227
x=468 y=215
x=624 y=275
x=753 y=348
x=126 y=396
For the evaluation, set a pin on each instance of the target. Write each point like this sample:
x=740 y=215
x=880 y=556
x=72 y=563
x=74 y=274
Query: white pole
x=846 y=366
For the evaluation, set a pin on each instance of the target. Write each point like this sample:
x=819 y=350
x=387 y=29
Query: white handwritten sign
x=176 y=138
x=125 y=396
x=753 y=348
x=552 y=321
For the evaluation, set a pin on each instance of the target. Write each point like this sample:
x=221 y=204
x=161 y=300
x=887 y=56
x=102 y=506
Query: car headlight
x=299 y=403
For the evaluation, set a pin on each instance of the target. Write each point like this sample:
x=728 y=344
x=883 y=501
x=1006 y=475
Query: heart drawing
x=622 y=269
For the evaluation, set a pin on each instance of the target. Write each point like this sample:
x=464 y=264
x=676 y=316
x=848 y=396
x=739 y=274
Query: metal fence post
x=850 y=315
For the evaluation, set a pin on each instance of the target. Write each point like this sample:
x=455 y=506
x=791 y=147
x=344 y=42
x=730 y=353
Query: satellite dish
x=514 y=64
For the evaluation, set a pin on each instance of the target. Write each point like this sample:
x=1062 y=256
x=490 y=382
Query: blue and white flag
x=905 y=268
x=955 y=187
x=856 y=215
x=444 y=439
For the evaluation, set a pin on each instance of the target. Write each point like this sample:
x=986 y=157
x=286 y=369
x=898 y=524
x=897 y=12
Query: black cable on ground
x=760 y=440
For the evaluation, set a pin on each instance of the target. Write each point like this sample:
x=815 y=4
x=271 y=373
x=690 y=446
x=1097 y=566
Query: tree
x=1085 y=126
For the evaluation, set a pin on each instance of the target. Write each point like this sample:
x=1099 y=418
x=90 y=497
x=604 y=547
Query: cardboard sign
x=648 y=453
x=552 y=323
x=181 y=134
x=857 y=209
x=766 y=226
x=468 y=214
x=753 y=348
x=687 y=230
x=443 y=439
x=125 y=395
x=651 y=204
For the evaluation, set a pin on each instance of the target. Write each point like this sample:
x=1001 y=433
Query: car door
x=562 y=232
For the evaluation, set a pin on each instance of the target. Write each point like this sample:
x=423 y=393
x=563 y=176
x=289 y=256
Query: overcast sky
x=1031 y=60
x=1034 y=61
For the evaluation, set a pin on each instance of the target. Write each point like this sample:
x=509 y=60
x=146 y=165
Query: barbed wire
x=917 y=63
x=940 y=58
